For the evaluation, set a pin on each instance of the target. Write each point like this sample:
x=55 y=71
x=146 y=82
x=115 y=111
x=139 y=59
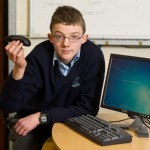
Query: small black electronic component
x=23 y=39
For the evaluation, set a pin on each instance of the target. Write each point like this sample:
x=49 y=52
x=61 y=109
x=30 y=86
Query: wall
x=21 y=26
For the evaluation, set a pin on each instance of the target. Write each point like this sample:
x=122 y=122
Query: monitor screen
x=127 y=85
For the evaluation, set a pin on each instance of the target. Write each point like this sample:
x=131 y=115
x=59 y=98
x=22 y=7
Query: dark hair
x=67 y=15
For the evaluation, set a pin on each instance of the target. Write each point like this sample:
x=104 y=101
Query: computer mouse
x=23 y=39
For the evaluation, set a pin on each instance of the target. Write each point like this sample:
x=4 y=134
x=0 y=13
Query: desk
x=67 y=139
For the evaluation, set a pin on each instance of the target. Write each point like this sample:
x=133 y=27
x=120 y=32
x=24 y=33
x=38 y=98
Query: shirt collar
x=55 y=57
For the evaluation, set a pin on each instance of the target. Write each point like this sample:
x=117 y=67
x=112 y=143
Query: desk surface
x=67 y=139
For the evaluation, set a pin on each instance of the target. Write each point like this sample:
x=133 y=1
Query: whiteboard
x=105 y=19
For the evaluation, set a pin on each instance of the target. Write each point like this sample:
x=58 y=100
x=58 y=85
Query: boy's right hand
x=15 y=53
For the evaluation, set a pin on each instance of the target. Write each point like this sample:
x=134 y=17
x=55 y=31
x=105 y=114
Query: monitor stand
x=138 y=127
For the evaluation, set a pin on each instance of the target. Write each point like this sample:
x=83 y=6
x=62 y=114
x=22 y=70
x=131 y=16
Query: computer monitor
x=127 y=85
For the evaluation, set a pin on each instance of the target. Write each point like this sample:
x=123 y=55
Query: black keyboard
x=98 y=130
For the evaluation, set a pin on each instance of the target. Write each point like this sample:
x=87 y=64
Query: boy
x=61 y=78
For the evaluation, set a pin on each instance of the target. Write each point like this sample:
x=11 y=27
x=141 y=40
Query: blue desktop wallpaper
x=128 y=85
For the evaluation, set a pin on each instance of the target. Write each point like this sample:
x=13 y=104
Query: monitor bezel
x=102 y=104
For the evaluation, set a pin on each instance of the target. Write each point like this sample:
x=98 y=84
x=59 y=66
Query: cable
x=120 y=120
x=146 y=122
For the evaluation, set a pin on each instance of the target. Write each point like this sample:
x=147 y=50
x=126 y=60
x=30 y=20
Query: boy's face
x=67 y=40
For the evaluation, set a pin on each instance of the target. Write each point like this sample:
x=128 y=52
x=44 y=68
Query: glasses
x=72 y=38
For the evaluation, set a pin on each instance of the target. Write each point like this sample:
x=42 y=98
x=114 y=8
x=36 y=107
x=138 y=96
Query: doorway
x=3 y=68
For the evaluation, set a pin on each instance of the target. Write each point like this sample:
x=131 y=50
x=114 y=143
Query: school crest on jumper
x=76 y=82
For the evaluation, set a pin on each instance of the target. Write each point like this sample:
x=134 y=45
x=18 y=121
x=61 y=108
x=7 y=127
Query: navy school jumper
x=44 y=88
